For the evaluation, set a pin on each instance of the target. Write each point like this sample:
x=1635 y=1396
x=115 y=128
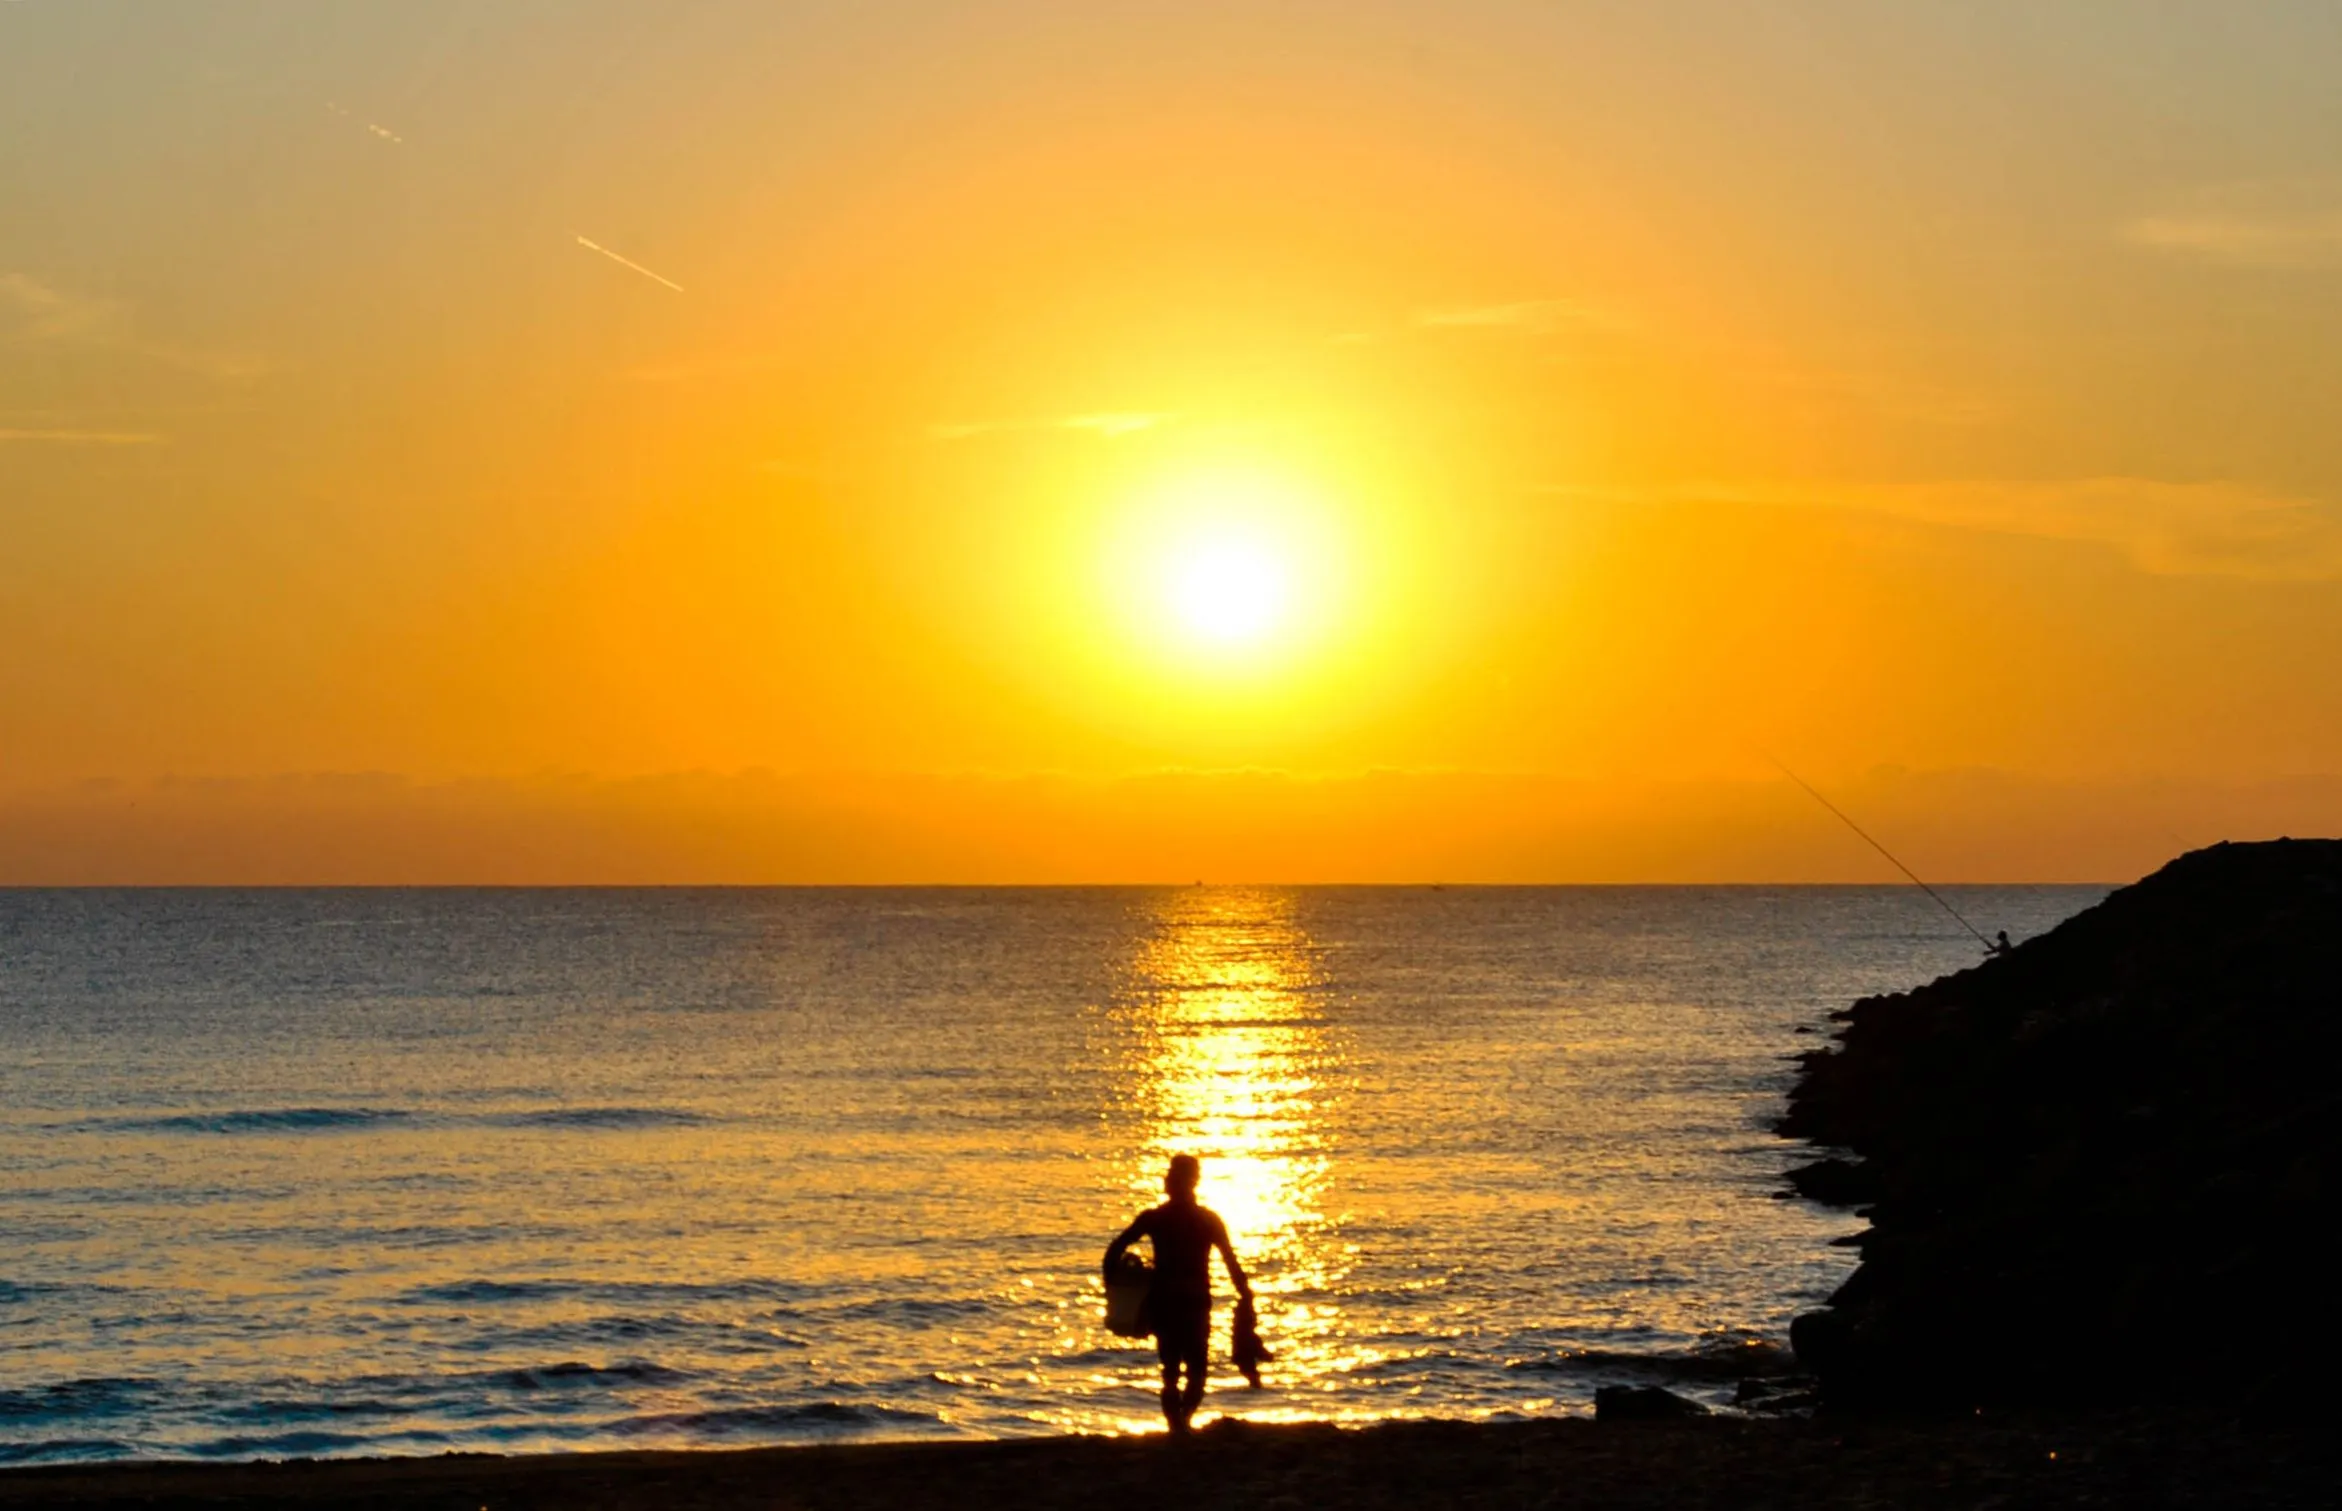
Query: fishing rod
x=1990 y=948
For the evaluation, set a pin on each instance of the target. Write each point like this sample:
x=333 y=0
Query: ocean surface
x=355 y=1172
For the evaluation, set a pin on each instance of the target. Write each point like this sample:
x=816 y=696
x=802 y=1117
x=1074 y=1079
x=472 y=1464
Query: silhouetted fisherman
x=1179 y=1303
x=2000 y=945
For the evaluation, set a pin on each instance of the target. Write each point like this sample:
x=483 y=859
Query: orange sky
x=1443 y=441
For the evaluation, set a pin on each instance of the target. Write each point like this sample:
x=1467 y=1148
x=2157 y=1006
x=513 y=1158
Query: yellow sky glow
x=1405 y=403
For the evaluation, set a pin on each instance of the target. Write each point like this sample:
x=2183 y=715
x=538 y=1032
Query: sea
x=293 y=1173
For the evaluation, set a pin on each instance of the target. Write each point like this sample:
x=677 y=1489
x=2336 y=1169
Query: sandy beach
x=2157 y=1459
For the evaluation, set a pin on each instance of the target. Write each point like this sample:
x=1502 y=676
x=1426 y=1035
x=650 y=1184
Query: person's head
x=1179 y=1181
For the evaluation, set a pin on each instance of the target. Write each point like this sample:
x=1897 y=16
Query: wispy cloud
x=39 y=313
x=1113 y=423
x=1107 y=423
x=80 y=437
x=2207 y=529
x=1879 y=394
x=2252 y=241
x=2269 y=223
x=694 y=369
x=1534 y=317
x=43 y=313
x=798 y=470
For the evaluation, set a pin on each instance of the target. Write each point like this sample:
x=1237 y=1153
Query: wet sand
x=2127 y=1460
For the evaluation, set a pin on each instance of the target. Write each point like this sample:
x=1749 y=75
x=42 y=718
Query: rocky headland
x=2096 y=1167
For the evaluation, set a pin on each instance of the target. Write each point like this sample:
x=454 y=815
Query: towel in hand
x=1250 y=1352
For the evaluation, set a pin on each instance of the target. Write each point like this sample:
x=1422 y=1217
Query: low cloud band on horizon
x=1165 y=827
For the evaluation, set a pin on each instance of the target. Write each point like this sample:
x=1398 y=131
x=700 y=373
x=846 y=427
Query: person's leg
x=1168 y=1354
x=1197 y=1353
x=1193 y=1396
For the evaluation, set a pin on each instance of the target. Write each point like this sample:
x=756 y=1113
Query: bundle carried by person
x=1128 y=1281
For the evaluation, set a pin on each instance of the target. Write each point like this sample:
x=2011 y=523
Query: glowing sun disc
x=1228 y=592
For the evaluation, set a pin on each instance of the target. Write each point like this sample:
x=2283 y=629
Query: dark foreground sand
x=2116 y=1461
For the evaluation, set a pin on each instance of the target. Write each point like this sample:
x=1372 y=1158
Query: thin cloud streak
x=1110 y=424
x=2300 y=241
x=80 y=437
x=697 y=369
x=628 y=262
x=1534 y=317
x=2270 y=224
x=45 y=314
x=1881 y=396
x=2207 y=529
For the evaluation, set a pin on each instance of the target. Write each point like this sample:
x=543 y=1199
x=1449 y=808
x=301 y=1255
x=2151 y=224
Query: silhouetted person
x=1179 y=1303
x=2001 y=945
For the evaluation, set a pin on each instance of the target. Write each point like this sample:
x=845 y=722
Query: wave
x=571 y=1375
x=539 y=1320
x=902 y=1309
x=598 y=1117
x=779 y=1293
x=461 y=1292
x=25 y=1292
x=1716 y=1359
x=349 y=1119
x=731 y=1420
x=97 y=1396
x=1426 y=1361
x=267 y=1411
x=310 y=1444
x=264 y=1120
x=66 y=1449
x=630 y=1332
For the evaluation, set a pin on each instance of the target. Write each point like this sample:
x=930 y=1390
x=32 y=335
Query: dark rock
x=2082 y=1158
x=1643 y=1403
x=1835 y=1182
x=1777 y=1397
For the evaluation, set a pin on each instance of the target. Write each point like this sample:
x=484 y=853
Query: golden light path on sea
x=1233 y=1059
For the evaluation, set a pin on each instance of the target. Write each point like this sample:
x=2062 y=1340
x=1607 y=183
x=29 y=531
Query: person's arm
x=1228 y=1254
x=1123 y=1240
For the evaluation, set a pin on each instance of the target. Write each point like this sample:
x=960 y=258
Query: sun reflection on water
x=1230 y=1056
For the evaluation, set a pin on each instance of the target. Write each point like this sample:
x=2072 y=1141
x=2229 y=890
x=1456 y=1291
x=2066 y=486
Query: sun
x=1220 y=580
x=1227 y=589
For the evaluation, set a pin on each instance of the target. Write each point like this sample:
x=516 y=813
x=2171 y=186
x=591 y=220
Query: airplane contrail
x=384 y=132
x=595 y=246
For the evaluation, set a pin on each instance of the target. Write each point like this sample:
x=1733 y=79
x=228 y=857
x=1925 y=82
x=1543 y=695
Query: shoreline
x=2144 y=1457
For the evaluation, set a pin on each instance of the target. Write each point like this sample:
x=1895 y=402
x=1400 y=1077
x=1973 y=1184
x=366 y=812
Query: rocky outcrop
x=2095 y=1168
x=1643 y=1403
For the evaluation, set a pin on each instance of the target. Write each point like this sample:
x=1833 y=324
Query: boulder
x=1776 y=1397
x=1643 y=1403
x=1835 y=1182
